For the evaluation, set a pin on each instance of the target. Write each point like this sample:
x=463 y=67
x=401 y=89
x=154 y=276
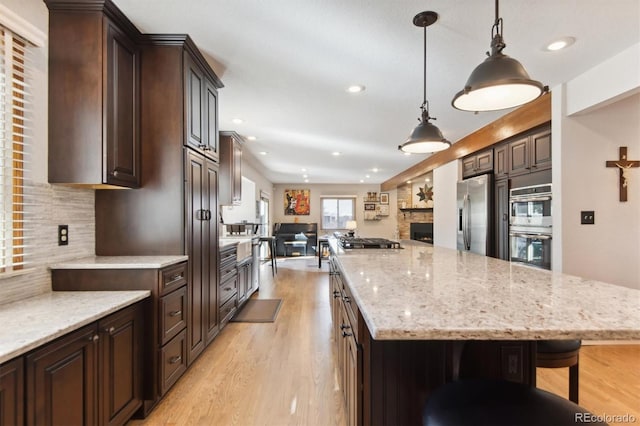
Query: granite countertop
x=422 y=292
x=32 y=322
x=235 y=239
x=120 y=262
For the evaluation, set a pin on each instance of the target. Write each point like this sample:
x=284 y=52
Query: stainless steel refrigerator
x=475 y=201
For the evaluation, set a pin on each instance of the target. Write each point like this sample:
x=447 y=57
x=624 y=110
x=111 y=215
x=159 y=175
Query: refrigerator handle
x=468 y=209
x=466 y=222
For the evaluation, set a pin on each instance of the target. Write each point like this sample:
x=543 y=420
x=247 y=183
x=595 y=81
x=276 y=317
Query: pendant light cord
x=424 y=69
x=497 y=40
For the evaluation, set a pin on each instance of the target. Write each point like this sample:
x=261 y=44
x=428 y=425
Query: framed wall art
x=384 y=198
x=369 y=206
x=297 y=202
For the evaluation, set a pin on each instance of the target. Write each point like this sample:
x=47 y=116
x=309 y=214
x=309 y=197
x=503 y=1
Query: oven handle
x=531 y=236
x=516 y=199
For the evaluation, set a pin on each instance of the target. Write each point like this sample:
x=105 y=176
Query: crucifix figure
x=624 y=166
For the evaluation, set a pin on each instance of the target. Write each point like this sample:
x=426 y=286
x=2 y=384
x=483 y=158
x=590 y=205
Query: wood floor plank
x=284 y=373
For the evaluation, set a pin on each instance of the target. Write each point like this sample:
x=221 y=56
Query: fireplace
x=421 y=232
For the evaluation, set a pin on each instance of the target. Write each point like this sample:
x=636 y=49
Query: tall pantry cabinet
x=175 y=210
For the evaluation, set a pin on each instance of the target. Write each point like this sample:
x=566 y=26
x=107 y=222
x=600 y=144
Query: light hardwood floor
x=284 y=373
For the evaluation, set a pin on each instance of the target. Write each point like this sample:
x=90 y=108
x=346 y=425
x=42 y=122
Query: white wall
x=445 y=211
x=609 y=250
x=384 y=228
x=246 y=210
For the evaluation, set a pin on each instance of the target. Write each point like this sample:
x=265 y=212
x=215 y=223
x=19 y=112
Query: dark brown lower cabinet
x=89 y=376
x=12 y=392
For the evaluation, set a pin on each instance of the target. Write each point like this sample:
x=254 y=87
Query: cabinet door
x=12 y=393
x=197 y=240
x=541 y=151
x=500 y=165
x=62 y=380
x=236 y=190
x=519 y=157
x=122 y=144
x=502 y=219
x=469 y=166
x=211 y=120
x=194 y=91
x=242 y=283
x=121 y=366
x=210 y=263
x=484 y=161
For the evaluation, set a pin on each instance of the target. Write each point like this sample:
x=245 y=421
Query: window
x=337 y=211
x=14 y=124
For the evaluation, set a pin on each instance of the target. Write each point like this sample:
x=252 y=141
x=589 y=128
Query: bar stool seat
x=501 y=403
x=271 y=243
x=561 y=353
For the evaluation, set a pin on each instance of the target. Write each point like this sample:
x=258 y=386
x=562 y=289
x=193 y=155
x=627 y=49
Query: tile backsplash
x=50 y=206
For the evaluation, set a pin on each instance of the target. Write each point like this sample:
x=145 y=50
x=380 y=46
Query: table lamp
x=351 y=226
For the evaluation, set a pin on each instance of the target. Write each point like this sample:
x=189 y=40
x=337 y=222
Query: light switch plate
x=587 y=217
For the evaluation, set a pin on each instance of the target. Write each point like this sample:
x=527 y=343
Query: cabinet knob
x=346 y=299
x=175 y=359
x=94 y=338
x=344 y=327
x=202 y=146
x=345 y=334
x=336 y=294
x=110 y=330
x=175 y=313
x=115 y=173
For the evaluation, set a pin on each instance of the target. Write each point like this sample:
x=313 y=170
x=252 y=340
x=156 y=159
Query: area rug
x=258 y=310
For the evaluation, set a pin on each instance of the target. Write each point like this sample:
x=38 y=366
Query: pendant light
x=426 y=137
x=499 y=82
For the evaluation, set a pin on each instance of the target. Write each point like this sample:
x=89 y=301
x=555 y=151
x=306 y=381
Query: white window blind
x=15 y=121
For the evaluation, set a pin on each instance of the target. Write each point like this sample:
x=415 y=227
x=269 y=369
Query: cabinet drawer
x=228 y=256
x=228 y=289
x=173 y=361
x=173 y=277
x=173 y=315
x=227 y=274
x=227 y=310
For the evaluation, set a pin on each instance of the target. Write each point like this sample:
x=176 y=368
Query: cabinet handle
x=534 y=166
x=345 y=334
x=175 y=277
x=227 y=289
x=94 y=338
x=208 y=215
x=115 y=173
x=110 y=330
x=344 y=327
x=336 y=294
x=202 y=146
x=175 y=359
x=199 y=214
x=346 y=299
x=175 y=313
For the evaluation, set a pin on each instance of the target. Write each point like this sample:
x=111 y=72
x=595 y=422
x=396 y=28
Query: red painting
x=296 y=202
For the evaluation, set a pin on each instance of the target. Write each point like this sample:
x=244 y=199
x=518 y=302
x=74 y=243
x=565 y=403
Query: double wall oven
x=530 y=225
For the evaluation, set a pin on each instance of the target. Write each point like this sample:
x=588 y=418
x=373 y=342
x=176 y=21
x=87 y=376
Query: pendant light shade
x=426 y=137
x=499 y=82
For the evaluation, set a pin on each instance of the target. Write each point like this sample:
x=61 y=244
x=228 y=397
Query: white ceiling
x=286 y=64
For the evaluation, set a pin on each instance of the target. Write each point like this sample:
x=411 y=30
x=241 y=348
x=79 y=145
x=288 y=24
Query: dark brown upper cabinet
x=201 y=108
x=530 y=154
x=230 y=190
x=477 y=164
x=94 y=95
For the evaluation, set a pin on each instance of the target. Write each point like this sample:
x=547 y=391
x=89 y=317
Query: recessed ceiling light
x=251 y=138
x=355 y=88
x=306 y=181
x=407 y=153
x=560 y=43
x=263 y=153
x=427 y=179
x=361 y=181
x=335 y=153
x=408 y=181
x=375 y=170
x=303 y=169
x=367 y=176
x=237 y=121
x=305 y=176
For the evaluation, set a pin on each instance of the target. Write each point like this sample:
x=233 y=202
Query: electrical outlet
x=63 y=235
x=587 y=217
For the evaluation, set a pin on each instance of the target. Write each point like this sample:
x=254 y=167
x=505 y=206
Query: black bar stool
x=271 y=243
x=561 y=353
x=501 y=403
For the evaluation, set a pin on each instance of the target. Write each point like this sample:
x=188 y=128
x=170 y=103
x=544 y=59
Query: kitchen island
x=417 y=317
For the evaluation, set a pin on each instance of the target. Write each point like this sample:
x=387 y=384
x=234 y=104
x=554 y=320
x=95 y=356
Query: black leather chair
x=558 y=354
x=501 y=403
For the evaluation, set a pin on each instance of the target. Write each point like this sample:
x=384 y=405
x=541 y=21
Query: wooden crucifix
x=624 y=165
